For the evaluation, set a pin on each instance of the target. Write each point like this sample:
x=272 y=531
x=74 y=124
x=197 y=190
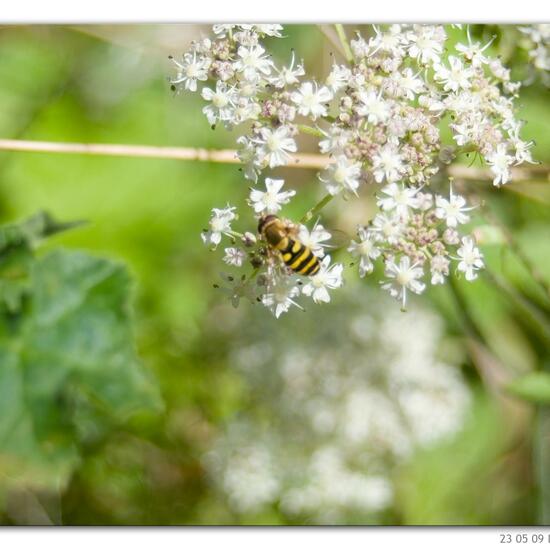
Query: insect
x=282 y=237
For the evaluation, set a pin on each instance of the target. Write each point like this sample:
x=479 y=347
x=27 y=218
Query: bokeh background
x=349 y=413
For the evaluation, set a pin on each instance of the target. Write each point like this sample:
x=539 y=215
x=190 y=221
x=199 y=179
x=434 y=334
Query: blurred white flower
x=398 y=199
x=389 y=227
x=403 y=277
x=222 y=30
x=341 y=175
x=287 y=76
x=338 y=78
x=270 y=200
x=410 y=83
x=252 y=62
x=452 y=210
x=365 y=249
x=538 y=48
x=314 y=239
x=335 y=140
x=220 y=223
x=455 y=77
x=387 y=164
x=373 y=107
x=470 y=258
x=473 y=51
x=191 y=70
x=426 y=43
x=328 y=277
x=311 y=99
x=346 y=408
x=279 y=297
x=500 y=162
x=221 y=102
x=439 y=267
x=267 y=29
x=249 y=479
x=234 y=256
x=248 y=155
x=522 y=153
x=275 y=146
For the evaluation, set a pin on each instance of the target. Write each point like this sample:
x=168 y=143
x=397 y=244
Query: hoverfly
x=282 y=237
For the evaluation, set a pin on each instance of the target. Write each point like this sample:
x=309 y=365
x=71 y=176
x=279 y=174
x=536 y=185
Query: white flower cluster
x=273 y=284
x=344 y=406
x=378 y=119
x=248 y=87
x=401 y=87
x=416 y=232
x=538 y=46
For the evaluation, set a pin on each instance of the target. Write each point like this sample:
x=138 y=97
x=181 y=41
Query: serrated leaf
x=533 y=387
x=17 y=243
x=69 y=371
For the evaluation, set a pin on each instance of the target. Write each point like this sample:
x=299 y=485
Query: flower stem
x=344 y=40
x=310 y=130
x=518 y=251
x=531 y=314
x=317 y=208
x=253 y=273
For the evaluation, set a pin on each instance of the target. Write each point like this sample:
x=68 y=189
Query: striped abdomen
x=298 y=256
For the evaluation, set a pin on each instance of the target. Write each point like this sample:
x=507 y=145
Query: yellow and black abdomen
x=298 y=256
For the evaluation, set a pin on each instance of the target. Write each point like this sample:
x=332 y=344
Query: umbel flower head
x=378 y=120
x=275 y=282
x=341 y=427
x=538 y=48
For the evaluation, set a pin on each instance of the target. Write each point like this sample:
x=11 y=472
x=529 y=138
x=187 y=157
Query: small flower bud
x=249 y=239
x=256 y=261
x=262 y=280
x=450 y=236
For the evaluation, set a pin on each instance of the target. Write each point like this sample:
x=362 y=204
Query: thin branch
x=539 y=173
x=226 y=156
x=120 y=150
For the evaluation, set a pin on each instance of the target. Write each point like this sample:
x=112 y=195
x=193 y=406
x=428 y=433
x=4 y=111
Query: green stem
x=254 y=273
x=310 y=130
x=465 y=149
x=463 y=311
x=517 y=250
x=344 y=40
x=317 y=208
x=535 y=318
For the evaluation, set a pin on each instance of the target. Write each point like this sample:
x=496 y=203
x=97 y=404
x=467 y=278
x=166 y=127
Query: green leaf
x=69 y=372
x=17 y=242
x=533 y=387
x=30 y=231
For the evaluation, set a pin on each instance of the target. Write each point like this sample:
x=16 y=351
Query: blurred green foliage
x=533 y=387
x=92 y=443
x=69 y=372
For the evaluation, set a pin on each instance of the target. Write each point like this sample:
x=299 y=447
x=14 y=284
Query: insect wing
x=339 y=239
